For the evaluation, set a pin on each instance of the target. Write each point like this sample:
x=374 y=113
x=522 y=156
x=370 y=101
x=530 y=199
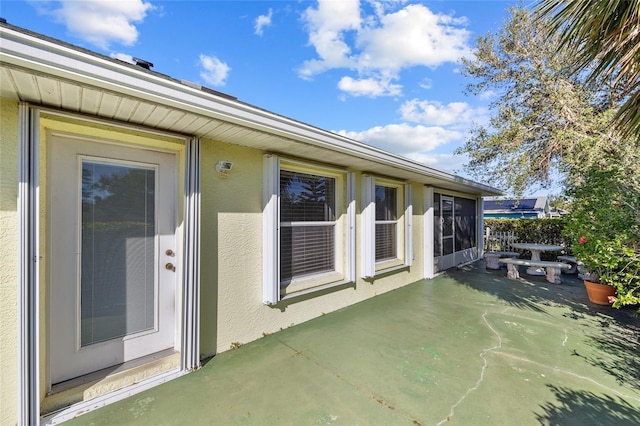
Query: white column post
x=28 y=257
x=191 y=259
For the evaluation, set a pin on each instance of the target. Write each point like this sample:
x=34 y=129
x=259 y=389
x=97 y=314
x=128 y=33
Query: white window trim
x=271 y=290
x=368 y=223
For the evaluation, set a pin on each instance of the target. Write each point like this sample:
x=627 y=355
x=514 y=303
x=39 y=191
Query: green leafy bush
x=543 y=231
x=604 y=229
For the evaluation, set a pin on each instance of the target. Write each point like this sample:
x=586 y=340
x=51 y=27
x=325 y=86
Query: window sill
x=387 y=264
x=310 y=282
x=317 y=291
x=389 y=267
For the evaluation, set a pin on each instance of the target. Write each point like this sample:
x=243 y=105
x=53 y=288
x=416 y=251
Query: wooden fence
x=498 y=241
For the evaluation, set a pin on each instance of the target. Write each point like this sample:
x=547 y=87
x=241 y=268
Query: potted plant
x=604 y=230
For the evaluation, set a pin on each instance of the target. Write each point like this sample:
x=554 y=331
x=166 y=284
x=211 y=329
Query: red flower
x=611 y=299
x=583 y=240
x=617 y=204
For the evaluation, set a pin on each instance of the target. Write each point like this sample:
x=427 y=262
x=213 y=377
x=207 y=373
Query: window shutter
x=351 y=227
x=408 y=225
x=428 y=232
x=270 y=230
x=368 y=218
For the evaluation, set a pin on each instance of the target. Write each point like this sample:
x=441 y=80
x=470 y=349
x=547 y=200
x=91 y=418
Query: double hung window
x=308 y=228
x=307 y=224
x=386 y=225
x=386 y=222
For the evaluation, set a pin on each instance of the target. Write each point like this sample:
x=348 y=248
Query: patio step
x=108 y=380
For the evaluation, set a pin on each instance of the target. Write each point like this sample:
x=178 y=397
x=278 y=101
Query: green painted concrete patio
x=469 y=347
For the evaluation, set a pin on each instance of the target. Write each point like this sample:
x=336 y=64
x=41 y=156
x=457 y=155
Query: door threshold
x=98 y=383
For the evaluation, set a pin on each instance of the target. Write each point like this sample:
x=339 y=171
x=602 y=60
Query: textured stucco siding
x=8 y=255
x=232 y=308
x=231 y=272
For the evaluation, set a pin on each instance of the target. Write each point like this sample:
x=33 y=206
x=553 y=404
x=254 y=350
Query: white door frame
x=29 y=350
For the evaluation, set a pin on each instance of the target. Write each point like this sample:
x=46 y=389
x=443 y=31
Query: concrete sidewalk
x=470 y=348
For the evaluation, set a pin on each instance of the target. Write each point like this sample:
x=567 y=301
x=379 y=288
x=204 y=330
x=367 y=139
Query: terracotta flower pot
x=599 y=293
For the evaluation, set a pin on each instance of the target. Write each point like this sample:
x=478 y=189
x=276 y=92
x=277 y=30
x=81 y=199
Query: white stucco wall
x=8 y=255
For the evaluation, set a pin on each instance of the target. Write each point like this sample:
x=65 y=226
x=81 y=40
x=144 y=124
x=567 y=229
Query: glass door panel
x=112 y=251
x=447 y=225
x=118 y=247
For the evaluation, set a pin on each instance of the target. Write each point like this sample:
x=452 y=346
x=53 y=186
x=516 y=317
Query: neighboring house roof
x=517 y=207
x=60 y=76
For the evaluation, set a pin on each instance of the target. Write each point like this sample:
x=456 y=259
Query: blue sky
x=383 y=72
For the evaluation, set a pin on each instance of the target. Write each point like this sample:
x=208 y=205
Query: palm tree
x=608 y=32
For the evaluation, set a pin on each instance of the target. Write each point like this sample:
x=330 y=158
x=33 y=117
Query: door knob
x=169 y=252
x=169 y=267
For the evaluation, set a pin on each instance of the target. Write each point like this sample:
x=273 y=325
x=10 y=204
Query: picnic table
x=535 y=250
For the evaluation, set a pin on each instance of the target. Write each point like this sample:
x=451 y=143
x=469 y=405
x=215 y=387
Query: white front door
x=111 y=254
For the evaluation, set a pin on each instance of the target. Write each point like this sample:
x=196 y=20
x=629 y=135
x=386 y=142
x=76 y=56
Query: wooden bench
x=552 y=269
x=573 y=262
x=491 y=258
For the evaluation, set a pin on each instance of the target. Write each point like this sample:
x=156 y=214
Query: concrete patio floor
x=469 y=347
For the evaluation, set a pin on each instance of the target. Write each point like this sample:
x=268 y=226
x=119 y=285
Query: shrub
x=543 y=231
x=604 y=229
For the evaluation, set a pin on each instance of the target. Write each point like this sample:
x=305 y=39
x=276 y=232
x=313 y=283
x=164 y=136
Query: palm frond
x=607 y=35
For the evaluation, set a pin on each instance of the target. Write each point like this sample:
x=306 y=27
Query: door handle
x=170 y=267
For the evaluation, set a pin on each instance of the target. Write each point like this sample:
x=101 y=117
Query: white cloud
x=368 y=87
x=379 y=46
x=100 y=22
x=263 y=21
x=327 y=26
x=458 y=114
x=123 y=57
x=488 y=95
x=427 y=83
x=214 y=71
x=426 y=127
x=413 y=36
x=405 y=139
x=446 y=162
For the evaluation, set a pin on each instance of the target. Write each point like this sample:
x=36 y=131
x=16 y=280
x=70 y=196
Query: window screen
x=465 y=223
